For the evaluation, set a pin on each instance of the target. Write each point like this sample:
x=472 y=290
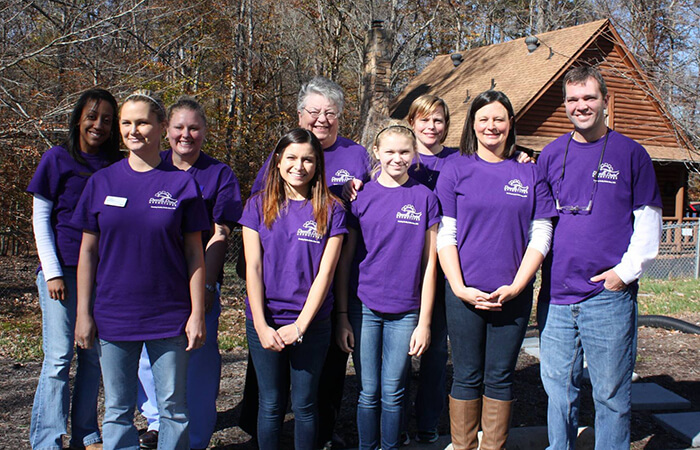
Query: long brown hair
x=274 y=195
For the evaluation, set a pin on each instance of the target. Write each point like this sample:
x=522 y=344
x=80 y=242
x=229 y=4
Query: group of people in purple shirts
x=378 y=254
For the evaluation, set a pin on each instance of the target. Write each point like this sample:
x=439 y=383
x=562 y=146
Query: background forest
x=245 y=61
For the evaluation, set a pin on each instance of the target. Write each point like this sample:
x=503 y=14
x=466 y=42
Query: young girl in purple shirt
x=141 y=254
x=292 y=234
x=494 y=234
x=396 y=220
x=93 y=143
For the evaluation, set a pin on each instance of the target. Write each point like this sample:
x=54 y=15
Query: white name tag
x=119 y=202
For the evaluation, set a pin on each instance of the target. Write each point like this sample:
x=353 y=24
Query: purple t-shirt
x=142 y=284
x=220 y=190
x=292 y=251
x=494 y=205
x=586 y=245
x=344 y=160
x=61 y=179
x=427 y=171
x=392 y=223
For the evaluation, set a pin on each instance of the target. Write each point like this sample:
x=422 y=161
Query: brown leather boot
x=495 y=423
x=464 y=423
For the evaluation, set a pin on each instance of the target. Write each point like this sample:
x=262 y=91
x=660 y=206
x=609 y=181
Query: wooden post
x=611 y=110
x=680 y=196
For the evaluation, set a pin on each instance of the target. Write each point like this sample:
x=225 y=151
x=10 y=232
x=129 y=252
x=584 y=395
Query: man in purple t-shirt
x=608 y=230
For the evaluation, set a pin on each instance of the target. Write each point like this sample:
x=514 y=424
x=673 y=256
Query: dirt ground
x=668 y=358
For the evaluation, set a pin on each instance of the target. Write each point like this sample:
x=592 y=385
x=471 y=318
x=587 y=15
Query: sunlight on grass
x=232 y=324
x=20 y=332
x=669 y=297
x=20 y=339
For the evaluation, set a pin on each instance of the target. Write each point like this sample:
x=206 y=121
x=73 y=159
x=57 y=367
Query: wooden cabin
x=532 y=79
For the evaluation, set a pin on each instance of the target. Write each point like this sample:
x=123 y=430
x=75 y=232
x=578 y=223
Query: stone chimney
x=376 y=81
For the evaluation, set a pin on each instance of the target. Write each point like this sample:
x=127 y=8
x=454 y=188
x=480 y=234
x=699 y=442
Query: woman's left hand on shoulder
x=196 y=332
x=420 y=340
x=523 y=157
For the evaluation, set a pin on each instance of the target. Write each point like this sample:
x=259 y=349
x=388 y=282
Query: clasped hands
x=488 y=301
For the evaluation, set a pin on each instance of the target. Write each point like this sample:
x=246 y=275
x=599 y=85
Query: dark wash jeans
x=485 y=345
x=303 y=362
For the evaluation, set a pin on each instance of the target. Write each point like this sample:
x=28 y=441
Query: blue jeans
x=485 y=345
x=604 y=327
x=52 y=398
x=304 y=362
x=203 y=375
x=381 y=363
x=120 y=360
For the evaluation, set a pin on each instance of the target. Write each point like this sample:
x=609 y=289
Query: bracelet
x=300 y=337
x=210 y=287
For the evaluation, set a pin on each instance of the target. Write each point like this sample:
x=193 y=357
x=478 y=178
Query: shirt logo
x=163 y=200
x=607 y=174
x=408 y=215
x=308 y=233
x=341 y=177
x=515 y=187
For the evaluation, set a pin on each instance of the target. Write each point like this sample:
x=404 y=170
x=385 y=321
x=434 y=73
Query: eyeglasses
x=574 y=209
x=330 y=115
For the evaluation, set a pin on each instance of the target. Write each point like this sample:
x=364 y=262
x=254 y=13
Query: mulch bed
x=670 y=359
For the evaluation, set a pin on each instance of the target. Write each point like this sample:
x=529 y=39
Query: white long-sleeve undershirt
x=540 y=234
x=644 y=244
x=45 y=239
x=642 y=249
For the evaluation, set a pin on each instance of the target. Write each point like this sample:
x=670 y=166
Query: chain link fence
x=233 y=286
x=18 y=275
x=679 y=257
x=679 y=252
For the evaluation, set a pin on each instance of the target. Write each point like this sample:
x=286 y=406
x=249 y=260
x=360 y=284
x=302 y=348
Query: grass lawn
x=669 y=297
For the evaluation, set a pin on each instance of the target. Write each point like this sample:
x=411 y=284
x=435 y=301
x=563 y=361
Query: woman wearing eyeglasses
x=319 y=107
x=494 y=234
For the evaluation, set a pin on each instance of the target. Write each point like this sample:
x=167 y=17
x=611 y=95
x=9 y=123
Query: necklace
x=433 y=171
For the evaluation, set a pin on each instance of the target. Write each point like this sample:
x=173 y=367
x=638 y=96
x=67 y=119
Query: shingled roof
x=528 y=78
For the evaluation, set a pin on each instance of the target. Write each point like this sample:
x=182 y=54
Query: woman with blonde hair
x=187 y=130
x=394 y=224
x=429 y=118
x=141 y=255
